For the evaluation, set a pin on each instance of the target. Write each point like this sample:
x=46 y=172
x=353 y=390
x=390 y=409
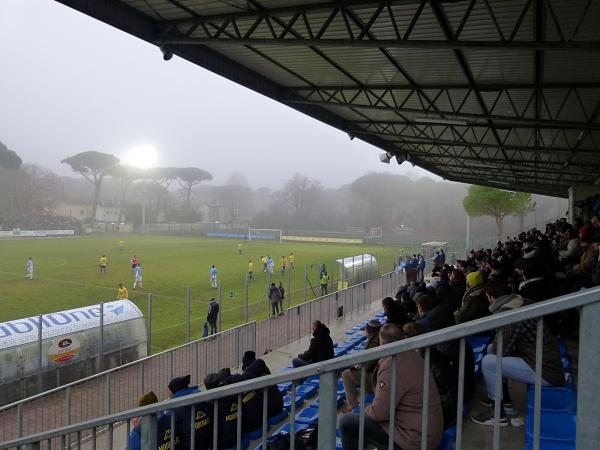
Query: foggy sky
x=69 y=83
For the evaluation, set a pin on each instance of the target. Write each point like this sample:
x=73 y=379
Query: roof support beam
x=485 y=87
x=592 y=46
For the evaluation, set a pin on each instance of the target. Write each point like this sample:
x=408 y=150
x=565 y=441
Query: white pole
x=468 y=237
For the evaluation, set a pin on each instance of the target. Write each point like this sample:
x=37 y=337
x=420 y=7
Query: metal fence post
x=149 y=325
x=187 y=322
x=149 y=432
x=246 y=306
x=588 y=413
x=39 y=349
x=327 y=409
x=108 y=396
x=305 y=283
x=101 y=336
x=289 y=288
x=220 y=307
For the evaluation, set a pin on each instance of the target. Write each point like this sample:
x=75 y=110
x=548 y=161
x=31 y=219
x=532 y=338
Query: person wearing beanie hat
x=163 y=425
x=351 y=377
x=227 y=414
x=248 y=358
x=474 y=304
x=180 y=387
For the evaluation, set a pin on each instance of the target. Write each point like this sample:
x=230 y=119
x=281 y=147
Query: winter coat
x=537 y=289
x=408 y=402
x=519 y=340
x=475 y=305
x=321 y=346
x=573 y=249
x=163 y=434
x=213 y=312
x=587 y=261
x=256 y=369
x=274 y=295
x=182 y=417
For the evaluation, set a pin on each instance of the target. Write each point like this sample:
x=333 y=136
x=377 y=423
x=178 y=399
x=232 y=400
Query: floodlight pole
x=144 y=206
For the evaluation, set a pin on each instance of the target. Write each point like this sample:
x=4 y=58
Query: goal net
x=376 y=232
x=264 y=234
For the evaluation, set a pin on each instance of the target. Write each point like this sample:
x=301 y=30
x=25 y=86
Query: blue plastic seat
x=284 y=387
x=306 y=391
x=550 y=445
x=554 y=399
x=253 y=435
x=338 y=443
x=339 y=351
x=312 y=381
x=339 y=400
x=309 y=416
x=479 y=343
x=276 y=419
x=351 y=331
x=287 y=402
x=380 y=314
x=448 y=438
x=555 y=426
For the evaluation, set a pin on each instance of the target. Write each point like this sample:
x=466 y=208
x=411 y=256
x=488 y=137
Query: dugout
x=356 y=269
x=72 y=345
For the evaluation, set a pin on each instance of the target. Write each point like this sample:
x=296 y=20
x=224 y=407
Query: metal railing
x=588 y=415
x=119 y=388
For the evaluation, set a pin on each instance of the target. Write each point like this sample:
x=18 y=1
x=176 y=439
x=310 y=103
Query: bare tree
x=93 y=166
x=9 y=159
x=42 y=189
x=300 y=192
x=124 y=175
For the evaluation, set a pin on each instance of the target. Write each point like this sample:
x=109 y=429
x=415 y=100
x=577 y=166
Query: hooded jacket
x=408 y=402
x=321 y=346
x=519 y=340
x=274 y=294
x=183 y=416
x=255 y=369
x=474 y=305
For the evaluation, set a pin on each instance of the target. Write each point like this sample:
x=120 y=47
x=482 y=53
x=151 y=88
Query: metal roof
x=503 y=93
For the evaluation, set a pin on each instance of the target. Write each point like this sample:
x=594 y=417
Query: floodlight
x=401 y=158
x=166 y=52
x=143 y=156
x=385 y=157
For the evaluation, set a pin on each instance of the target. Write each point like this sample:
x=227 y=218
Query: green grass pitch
x=67 y=276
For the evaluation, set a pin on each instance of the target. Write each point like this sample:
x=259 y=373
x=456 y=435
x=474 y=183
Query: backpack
x=304 y=440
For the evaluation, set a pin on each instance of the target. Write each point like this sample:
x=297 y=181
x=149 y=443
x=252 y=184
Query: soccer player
x=240 y=248
x=213 y=277
x=138 y=277
x=121 y=245
x=291 y=259
x=270 y=265
x=263 y=260
x=324 y=282
x=134 y=263
x=122 y=293
x=283 y=264
x=29 y=275
x=250 y=271
x=103 y=264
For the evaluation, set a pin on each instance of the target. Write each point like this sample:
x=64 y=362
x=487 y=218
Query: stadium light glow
x=143 y=156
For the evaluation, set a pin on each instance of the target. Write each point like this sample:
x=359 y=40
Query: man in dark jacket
x=227 y=414
x=213 y=313
x=251 y=403
x=518 y=352
x=254 y=368
x=535 y=285
x=320 y=349
x=180 y=387
x=281 y=297
x=275 y=299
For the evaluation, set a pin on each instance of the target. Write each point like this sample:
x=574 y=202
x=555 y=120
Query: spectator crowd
x=533 y=267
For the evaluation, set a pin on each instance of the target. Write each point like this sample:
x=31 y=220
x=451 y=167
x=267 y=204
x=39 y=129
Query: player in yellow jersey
x=121 y=245
x=291 y=260
x=122 y=293
x=263 y=260
x=250 y=271
x=283 y=263
x=103 y=264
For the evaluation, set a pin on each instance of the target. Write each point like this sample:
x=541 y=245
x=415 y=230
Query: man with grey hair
x=408 y=402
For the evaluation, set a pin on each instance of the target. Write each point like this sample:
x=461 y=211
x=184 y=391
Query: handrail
x=558 y=304
x=114 y=369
